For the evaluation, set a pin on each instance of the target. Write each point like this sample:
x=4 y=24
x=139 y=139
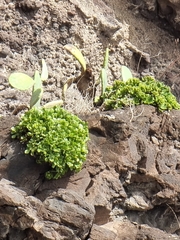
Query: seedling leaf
x=37 y=91
x=67 y=85
x=53 y=103
x=35 y=98
x=77 y=54
x=38 y=81
x=103 y=80
x=20 y=81
x=126 y=73
x=44 y=74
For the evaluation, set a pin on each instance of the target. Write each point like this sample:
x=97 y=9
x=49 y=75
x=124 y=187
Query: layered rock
x=127 y=188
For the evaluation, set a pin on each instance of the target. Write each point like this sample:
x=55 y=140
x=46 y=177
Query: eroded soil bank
x=32 y=30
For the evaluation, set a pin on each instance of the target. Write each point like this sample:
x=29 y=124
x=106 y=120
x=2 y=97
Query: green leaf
x=53 y=103
x=38 y=81
x=77 y=54
x=67 y=85
x=126 y=73
x=36 y=97
x=37 y=91
x=20 y=81
x=103 y=77
x=44 y=74
x=103 y=80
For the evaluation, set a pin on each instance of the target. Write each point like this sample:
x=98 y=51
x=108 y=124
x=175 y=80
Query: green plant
x=50 y=133
x=59 y=138
x=139 y=91
x=22 y=81
x=85 y=74
x=126 y=73
x=103 y=74
x=78 y=55
x=54 y=136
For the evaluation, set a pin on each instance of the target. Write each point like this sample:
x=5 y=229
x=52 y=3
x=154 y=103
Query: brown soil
x=31 y=31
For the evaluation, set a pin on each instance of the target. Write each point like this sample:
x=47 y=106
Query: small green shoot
x=37 y=91
x=77 y=54
x=44 y=74
x=126 y=73
x=23 y=82
x=85 y=81
x=103 y=78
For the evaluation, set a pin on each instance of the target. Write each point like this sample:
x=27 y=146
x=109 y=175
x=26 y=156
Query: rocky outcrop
x=127 y=188
x=63 y=215
x=167 y=9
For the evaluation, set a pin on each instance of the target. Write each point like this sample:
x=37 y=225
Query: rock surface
x=127 y=189
x=63 y=215
x=168 y=9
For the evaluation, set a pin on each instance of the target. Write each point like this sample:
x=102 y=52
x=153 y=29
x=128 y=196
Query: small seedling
x=22 y=81
x=85 y=81
x=103 y=75
x=126 y=73
x=77 y=54
x=102 y=79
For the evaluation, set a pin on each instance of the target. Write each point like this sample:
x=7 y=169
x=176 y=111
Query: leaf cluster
x=54 y=136
x=23 y=82
x=139 y=91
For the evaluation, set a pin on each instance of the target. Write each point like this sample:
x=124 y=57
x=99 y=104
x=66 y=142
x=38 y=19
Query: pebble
x=154 y=140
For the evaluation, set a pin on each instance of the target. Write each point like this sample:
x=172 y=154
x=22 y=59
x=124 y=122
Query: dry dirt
x=32 y=30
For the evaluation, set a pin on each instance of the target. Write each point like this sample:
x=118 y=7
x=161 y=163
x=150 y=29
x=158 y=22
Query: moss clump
x=139 y=91
x=54 y=136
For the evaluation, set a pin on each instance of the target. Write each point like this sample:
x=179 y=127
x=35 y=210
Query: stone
x=105 y=188
x=168 y=9
x=127 y=178
x=98 y=232
x=138 y=201
x=71 y=210
x=51 y=219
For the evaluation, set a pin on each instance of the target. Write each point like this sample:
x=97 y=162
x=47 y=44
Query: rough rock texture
x=165 y=9
x=127 y=189
x=129 y=186
x=63 y=215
